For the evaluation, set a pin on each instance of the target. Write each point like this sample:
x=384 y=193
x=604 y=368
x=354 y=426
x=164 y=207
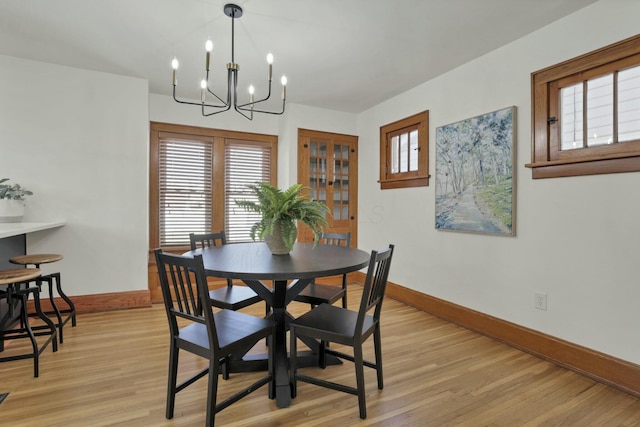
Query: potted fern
x=280 y=209
x=12 y=201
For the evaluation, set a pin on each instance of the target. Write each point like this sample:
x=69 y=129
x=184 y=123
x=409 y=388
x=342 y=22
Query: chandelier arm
x=224 y=104
x=175 y=98
x=227 y=108
x=277 y=113
x=248 y=117
x=261 y=100
x=227 y=105
x=183 y=102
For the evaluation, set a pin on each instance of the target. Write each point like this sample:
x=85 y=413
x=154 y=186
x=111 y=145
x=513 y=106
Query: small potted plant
x=12 y=201
x=280 y=210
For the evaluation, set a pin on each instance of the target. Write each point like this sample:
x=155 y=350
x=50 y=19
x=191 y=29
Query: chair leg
x=272 y=383
x=293 y=363
x=172 y=380
x=225 y=368
x=359 y=365
x=344 y=286
x=377 y=343
x=322 y=356
x=212 y=391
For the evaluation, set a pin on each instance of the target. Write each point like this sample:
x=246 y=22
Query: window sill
x=564 y=168
x=414 y=181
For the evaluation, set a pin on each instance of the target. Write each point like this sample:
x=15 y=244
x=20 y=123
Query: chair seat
x=231 y=327
x=316 y=294
x=35 y=259
x=233 y=297
x=332 y=321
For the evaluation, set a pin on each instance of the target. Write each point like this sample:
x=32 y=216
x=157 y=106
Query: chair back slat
x=375 y=284
x=185 y=292
x=186 y=297
x=338 y=239
x=207 y=240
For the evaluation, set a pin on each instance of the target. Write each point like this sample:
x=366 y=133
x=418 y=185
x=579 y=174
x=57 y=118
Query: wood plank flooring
x=112 y=368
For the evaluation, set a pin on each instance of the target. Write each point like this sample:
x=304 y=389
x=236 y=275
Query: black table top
x=254 y=261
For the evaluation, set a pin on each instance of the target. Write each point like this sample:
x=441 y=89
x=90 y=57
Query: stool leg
x=45 y=319
x=34 y=344
x=72 y=307
x=49 y=279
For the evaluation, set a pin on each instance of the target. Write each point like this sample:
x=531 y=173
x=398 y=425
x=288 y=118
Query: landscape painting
x=474 y=174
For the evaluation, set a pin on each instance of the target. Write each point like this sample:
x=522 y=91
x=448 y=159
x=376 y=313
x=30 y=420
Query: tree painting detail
x=474 y=174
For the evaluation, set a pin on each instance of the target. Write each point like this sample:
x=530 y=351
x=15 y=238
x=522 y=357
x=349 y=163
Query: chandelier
x=219 y=105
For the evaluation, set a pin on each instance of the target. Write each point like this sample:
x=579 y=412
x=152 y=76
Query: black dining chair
x=229 y=297
x=317 y=293
x=329 y=323
x=213 y=336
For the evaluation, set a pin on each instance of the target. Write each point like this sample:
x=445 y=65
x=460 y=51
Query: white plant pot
x=11 y=210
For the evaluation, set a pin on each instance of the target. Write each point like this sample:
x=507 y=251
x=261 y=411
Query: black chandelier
x=247 y=109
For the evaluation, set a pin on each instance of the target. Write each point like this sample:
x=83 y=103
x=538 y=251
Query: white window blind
x=185 y=187
x=245 y=164
x=404 y=151
x=612 y=100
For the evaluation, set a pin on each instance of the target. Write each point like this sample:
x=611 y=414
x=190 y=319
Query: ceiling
x=345 y=55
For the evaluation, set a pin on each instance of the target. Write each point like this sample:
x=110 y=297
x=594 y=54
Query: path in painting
x=467 y=216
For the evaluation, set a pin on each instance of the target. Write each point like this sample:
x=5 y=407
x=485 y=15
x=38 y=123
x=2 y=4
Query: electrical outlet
x=540 y=301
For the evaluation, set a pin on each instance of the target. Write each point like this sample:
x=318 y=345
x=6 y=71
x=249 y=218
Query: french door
x=328 y=166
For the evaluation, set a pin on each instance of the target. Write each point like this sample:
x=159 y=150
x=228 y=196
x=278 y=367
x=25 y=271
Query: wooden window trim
x=419 y=178
x=547 y=160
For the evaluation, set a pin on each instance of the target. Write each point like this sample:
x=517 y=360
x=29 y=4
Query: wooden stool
x=49 y=279
x=17 y=294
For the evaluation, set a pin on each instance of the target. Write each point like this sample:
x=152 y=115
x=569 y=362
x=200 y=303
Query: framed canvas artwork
x=474 y=174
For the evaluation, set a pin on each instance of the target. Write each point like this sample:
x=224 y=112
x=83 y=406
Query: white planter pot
x=11 y=210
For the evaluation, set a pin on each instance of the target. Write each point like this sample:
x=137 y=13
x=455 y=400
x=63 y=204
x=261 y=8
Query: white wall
x=576 y=237
x=79 y=140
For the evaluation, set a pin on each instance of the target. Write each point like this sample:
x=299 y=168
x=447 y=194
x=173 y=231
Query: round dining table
x=289 y=274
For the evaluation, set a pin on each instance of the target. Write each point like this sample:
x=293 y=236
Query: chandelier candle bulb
x=270 y=62
x=208 y=46
x=174 y=65
x=203 y=90
x=283 y=80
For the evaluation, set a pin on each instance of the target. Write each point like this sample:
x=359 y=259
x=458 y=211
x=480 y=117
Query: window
x=184 y=189
x=245 y=164
x=586 y=114
x=404 y=152
x=195 y=176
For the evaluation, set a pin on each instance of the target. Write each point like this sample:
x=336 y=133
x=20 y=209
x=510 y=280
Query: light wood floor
x=111 y=371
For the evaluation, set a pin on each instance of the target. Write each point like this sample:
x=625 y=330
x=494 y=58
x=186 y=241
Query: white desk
x=9 y=229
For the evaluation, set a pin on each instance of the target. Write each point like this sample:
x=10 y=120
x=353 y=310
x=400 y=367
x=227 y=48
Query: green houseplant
x=280 y=209
x=12 y=192
x=12 y=197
